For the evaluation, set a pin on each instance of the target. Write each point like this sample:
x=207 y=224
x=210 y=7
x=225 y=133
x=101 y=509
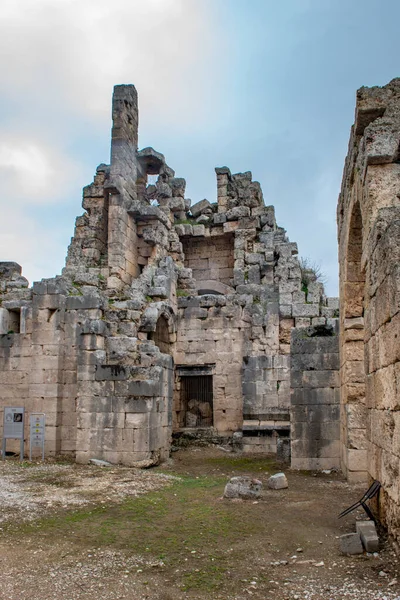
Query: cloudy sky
x=255 y=85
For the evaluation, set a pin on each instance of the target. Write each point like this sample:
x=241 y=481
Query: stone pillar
x=223 y=176
x=124 y=133
x=314 y=412
x=122 y=241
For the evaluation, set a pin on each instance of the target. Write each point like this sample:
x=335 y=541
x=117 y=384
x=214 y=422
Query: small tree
x=311 y=272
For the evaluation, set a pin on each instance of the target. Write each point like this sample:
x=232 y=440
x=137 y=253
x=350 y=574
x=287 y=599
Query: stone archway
x=353 y=373
x=161 y=335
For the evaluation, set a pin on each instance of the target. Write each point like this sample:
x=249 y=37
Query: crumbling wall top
x=9 y=269
x=375 y=102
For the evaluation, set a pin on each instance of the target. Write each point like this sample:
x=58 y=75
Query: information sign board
x=37 y=423
x=13 y=427
x=13 y=422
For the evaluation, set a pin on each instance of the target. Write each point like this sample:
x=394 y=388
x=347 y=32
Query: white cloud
x=59 y=61
x=73 y=51
x=30 y=169
x=32 y=243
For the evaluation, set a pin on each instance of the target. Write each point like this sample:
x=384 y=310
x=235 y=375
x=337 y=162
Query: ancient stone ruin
x=167 y=317
x=369 y=255
x=176 y=318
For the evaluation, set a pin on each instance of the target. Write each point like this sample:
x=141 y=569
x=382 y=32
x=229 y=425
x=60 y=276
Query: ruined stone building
x=168 y=318
x=171 y=317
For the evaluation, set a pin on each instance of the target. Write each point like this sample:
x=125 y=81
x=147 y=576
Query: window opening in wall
x=161 y=335
x=51 y=314
x=152 y=179
x=14 y=321
x=197 y=400
x=151 y=192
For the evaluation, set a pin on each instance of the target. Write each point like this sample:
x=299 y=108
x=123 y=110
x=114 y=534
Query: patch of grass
x=76 y=291
x=185 y=222
x=186 y=526
x=204 y=579
x=243 y=463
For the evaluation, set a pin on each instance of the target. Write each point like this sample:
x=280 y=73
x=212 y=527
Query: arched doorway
x=353 y=373
x=161 y=336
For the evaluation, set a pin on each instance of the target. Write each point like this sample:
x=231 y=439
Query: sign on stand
x=13 y=428
x=37 y=428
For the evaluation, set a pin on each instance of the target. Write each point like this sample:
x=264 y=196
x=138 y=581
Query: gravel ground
x=29 y=490
x=33 y=570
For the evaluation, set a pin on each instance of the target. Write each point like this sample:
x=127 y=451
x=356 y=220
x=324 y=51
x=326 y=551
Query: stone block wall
x=211 y=331
x=210 y=259
x=369 y=242
x=266 y=396
x=315 y=406
x=35 y=369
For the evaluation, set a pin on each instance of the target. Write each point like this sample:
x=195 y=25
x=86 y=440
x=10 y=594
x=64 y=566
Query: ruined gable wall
x=84 y=356
x=242 y=319
x=245 y=330
x=369 y=242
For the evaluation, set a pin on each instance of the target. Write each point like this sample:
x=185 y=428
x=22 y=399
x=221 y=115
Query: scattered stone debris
x=278 y=481
x=365 y=538
x=350 y=543
x=99 y=463
x=368 y=534
x=243 y=487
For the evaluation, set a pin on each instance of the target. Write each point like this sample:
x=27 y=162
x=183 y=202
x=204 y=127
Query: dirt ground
x=105 y=533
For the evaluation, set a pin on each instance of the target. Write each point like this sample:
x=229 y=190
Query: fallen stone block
x=99 y=463
x=199 y=207
x=278 y=481
x=350 y=543
x=243 y=487
x=368 y=534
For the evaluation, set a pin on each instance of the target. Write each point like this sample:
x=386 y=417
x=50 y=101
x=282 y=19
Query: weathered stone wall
x=266 y=394
x=315 y=407
x=82 y=352
x=211 y=330
x=369 y=242
x=236 y=327
x=38 y=361
x=152 y=280
x=210 y=259
x=244 y=330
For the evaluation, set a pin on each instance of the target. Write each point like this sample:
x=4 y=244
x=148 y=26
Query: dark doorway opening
x=197 y=400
